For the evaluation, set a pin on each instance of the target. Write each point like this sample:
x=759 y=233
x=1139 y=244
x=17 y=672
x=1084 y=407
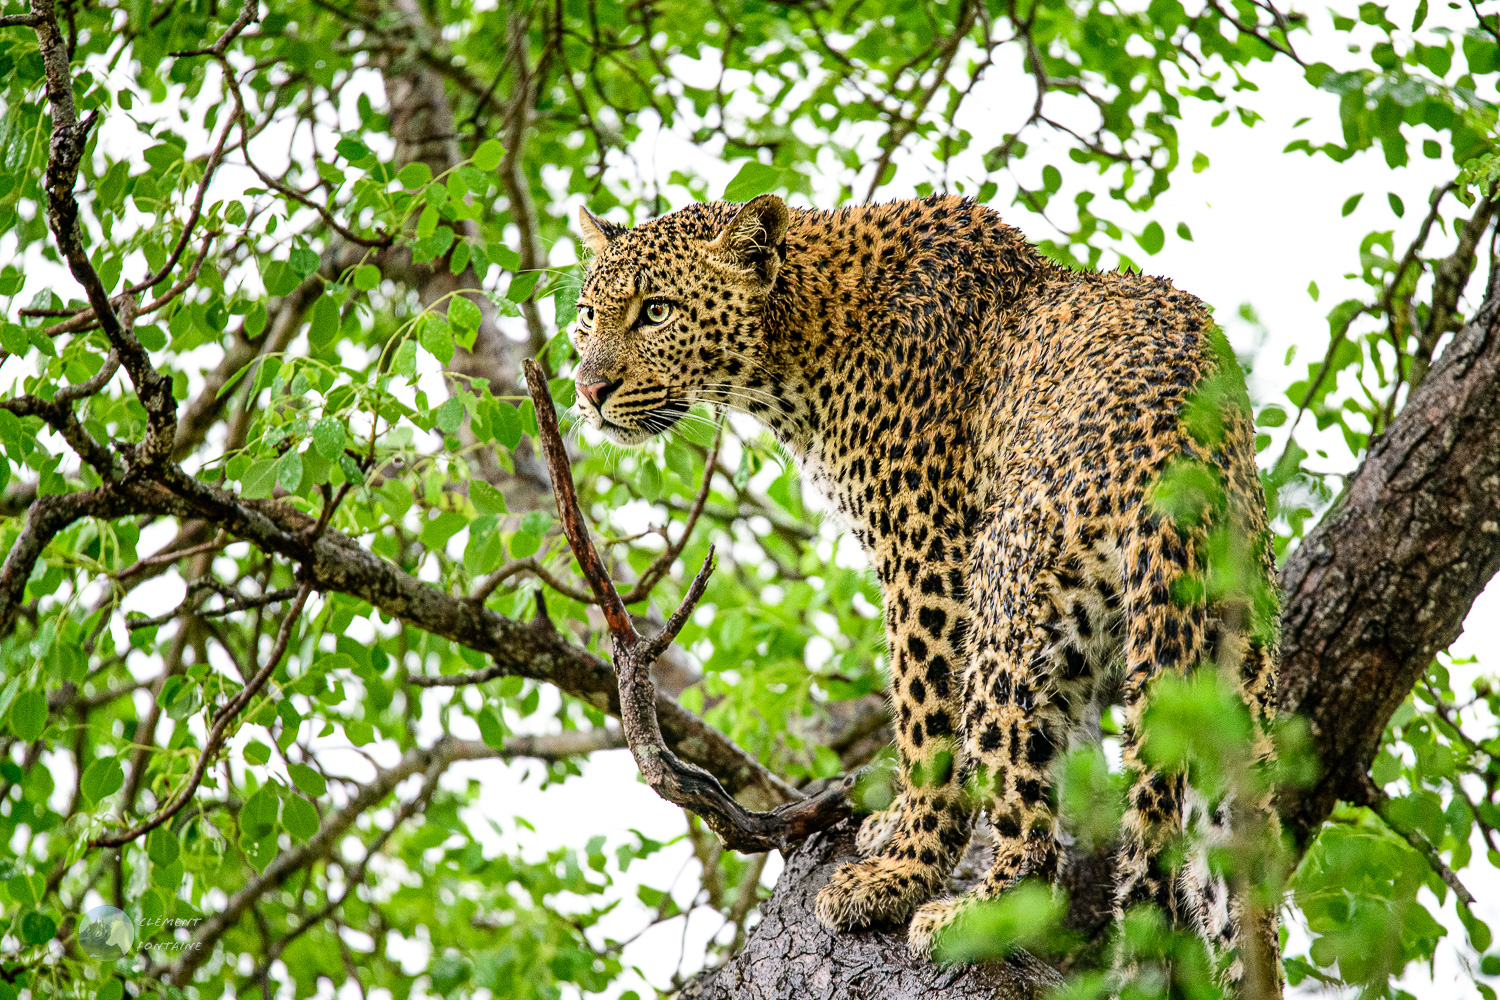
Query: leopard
x=994 y=428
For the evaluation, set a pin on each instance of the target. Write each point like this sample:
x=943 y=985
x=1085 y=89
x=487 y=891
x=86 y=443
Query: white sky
x=1265 y=225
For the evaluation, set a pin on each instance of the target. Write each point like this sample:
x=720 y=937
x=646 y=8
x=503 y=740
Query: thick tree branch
x=69 y=138
x=333 y=562
x=1386 y=579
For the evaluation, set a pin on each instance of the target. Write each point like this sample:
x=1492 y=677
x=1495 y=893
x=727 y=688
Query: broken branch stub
x=674 y=779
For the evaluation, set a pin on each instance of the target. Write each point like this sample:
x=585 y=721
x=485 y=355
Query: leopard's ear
x=597 y=232
x=756 y=238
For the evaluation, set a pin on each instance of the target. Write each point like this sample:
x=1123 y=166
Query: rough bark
x=791 y=955
x=1381 y=585
x=1389 y=575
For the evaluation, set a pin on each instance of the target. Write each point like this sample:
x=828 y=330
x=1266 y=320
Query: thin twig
x=675 y=780
x=172 y=556
x=222 y=719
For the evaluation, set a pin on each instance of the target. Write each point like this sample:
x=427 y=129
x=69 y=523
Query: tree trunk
x=1382 y=584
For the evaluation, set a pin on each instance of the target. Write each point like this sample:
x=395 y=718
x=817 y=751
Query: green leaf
x=1152 y=239
x=102 y=778
x=505 y=424
x=151 y=337
x=459 y=259
x=1350 y=205
x=464 y=313
x=162 y=846
x=307 y=779
x=489 y=154
x=37 y=928
x=753 y=179
x=405 y=361
x=300 y=817
x=522 y=285
x=367 y=277
x=163 y=156
x=1184 y=233
x=303 y=261
x=504 y=256
x=329 y=438
x=289 y=470
x=1479 y=932
x=436 y=338
x=25 y=890
x=523 y=545
x=396 y=497
x=324 y=325
x=278 y=276
x=13 y=339
x=1397 y=205
x=450 y=415
x=486 y=499
x=351 y=470
x=352 y=149
x=259 y=479
x=484 y=549
x=825 y=762
x=414 y=176
x=427 y=222
x=491 y=728
x=259 y=814
x=648 y=481
x=436 y=532
x=256 y=753
x=28 y=716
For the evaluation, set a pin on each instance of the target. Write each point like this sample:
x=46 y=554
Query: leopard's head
x=671 y=313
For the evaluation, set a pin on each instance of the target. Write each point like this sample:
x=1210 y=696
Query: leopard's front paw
x=878 y=829
x=875 y=890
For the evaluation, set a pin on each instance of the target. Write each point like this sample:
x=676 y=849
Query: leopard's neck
x=876 y=340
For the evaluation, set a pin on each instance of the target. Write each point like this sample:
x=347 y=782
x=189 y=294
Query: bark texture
x=1370 y=596
x=791 y=955
x=1389 y=575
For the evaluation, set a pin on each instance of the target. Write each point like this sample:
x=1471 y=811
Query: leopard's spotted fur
x=990 y=426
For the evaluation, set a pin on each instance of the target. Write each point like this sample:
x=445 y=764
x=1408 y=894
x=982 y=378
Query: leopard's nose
x=598 y=393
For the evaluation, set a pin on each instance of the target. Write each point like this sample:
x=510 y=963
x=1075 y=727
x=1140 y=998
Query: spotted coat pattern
x=990 y=426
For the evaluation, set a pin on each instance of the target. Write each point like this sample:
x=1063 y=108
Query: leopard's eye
x=585 y=318
x=658 y=312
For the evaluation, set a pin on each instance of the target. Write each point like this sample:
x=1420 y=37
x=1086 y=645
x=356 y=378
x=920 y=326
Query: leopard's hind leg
x=1164 y=633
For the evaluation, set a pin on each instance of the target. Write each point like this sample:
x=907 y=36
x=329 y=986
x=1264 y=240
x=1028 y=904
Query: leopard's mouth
x=646 y=423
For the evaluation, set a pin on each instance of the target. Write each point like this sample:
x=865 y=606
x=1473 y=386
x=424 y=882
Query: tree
x=307 y=247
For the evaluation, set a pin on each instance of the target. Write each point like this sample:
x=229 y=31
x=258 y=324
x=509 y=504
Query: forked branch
x=672 y=778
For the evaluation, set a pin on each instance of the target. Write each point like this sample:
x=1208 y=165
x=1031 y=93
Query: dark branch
x=668 y=775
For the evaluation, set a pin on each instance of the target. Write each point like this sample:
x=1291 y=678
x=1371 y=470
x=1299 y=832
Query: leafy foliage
x=320 y=207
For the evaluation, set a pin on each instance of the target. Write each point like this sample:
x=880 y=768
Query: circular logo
x=106 y=933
